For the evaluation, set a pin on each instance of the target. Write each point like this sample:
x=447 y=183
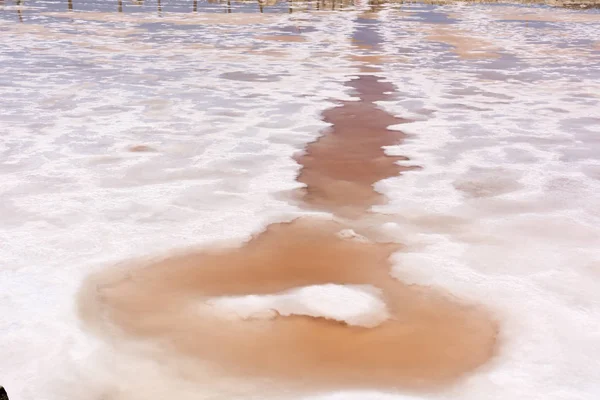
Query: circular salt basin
x=356 y=305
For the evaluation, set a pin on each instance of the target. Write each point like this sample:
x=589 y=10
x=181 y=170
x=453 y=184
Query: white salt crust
x=504 y=212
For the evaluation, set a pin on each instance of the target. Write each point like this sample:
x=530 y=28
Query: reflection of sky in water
x=364 y=35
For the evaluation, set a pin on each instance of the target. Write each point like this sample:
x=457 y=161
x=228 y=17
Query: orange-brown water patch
x=547 y=15
x=141 y=148
x=464 y=44
x=376 y=59
x=282 y=38
x=576 y=54
x=430 y=339
x=340 y=168
x=271 y=53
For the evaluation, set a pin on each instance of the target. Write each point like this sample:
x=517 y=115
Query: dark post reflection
x=292 y=5
x=20 y=14
x=376 y=5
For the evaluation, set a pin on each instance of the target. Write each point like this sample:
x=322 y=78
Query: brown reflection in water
x=429 y=340
x=377 y=5
x=340 y=168
x=195 y=6
x=464 y=44
x=120 y=6
x=141 y=148
x=70 y=5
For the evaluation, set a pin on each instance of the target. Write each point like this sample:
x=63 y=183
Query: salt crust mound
x=357 y=305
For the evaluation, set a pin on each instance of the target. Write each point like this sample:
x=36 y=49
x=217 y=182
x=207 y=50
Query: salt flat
x=135 y=134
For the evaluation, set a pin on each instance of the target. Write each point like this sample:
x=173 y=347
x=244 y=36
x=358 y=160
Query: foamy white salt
x=505 y=211
x=355 y=305
x=222 y=124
